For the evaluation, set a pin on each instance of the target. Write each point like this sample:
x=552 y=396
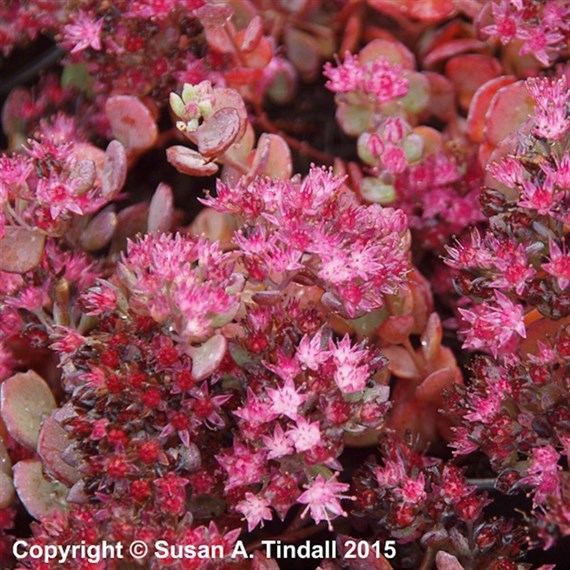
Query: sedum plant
x=292 y=272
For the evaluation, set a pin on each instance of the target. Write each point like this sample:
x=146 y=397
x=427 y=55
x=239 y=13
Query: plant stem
x=427 y=560
x=301 y=146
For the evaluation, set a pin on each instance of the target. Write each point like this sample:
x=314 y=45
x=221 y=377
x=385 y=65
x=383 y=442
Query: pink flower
x=304 y=435
x=412 y=490
x=100 y=299
x=171 y=493
x=310 y=353
x=505 y=26
x=559 y=265
x=352 y=371
x=385 y=80
x=83 y=32
x=544 y=474
x=493 y=326
x=551 y=96
x=346 y=76
x=322 y=498
x=542 y=198
x=244 y=467
x=255 y=509
x=286 y=400
x=278 y=444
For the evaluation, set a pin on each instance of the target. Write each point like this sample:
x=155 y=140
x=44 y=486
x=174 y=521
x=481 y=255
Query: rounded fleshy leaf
x=303 y=52
x=132 y=122
x=77 y=493
x=218 y=132
x=6 y=490
x=272 y=158
x=40 y=496
x=99 y=231
x=372 y=189
x=431 y=337
x=52 y=443
x=396 y=329
x=20 y=249
x=252 y=35
x=207 y=357
x=400 y=363
x=161 y=210
x=396 y=52
x=509 y=109
x=451 y=49
x=189 y=161
x=429 y=11
x=114 y=171
x=446 y=561
x=25 y=401
x=430 y=389
x=468 y=72
x=216 y=226
x=480 y=104
x=87 y=151
x=130 y=221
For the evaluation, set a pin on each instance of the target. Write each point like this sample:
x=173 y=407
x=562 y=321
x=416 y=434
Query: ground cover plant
x=285 y=273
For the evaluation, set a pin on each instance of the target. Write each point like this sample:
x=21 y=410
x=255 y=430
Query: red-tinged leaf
x=216 y=226
x=132 y=122
x=468 y=72
x=213 y=15
x=77 y=493
x=373 y=561
x=509 y=109
x=218 y=132
x=52 y=442
x=272 y=158
x=441 y=96
x=13 y=121
x=261 y=55
x=130 y=221
x=480 y=105
x=6 y=490
x=99 y=231
x=354 y=119
x=240 y=150
x=25 y=401
x=431 y=11
x=451 y=49
x=434 y=38
x=429 y=390
x=40 y=496
x=414 y=417
x=431 y=337
x=20 y=250
x=114 y=171
x=87 y=151
x=189 y=161
x=84 y=173
x=396 y=329
x=252 y=35
x=161 y=210
x=400 y=363
x=207 y=357
x=446 y=561
x=395 y=51
x=303 y=53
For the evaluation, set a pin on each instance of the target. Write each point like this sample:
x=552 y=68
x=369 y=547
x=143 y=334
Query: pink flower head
x=286 y=400
x=244 y=467
x=493 y=326
x=346 y=76
x=551 y=96
x=352 y=369
x=310 y=353
x=412 y=490
x=323 y=497
x=83 y=32
x=255 y=509
x=278 y=444
x=171 y=493
x=304 y=435
x=559 y=265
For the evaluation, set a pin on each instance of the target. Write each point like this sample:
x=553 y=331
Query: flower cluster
x=204 y=371
x=537 y=29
